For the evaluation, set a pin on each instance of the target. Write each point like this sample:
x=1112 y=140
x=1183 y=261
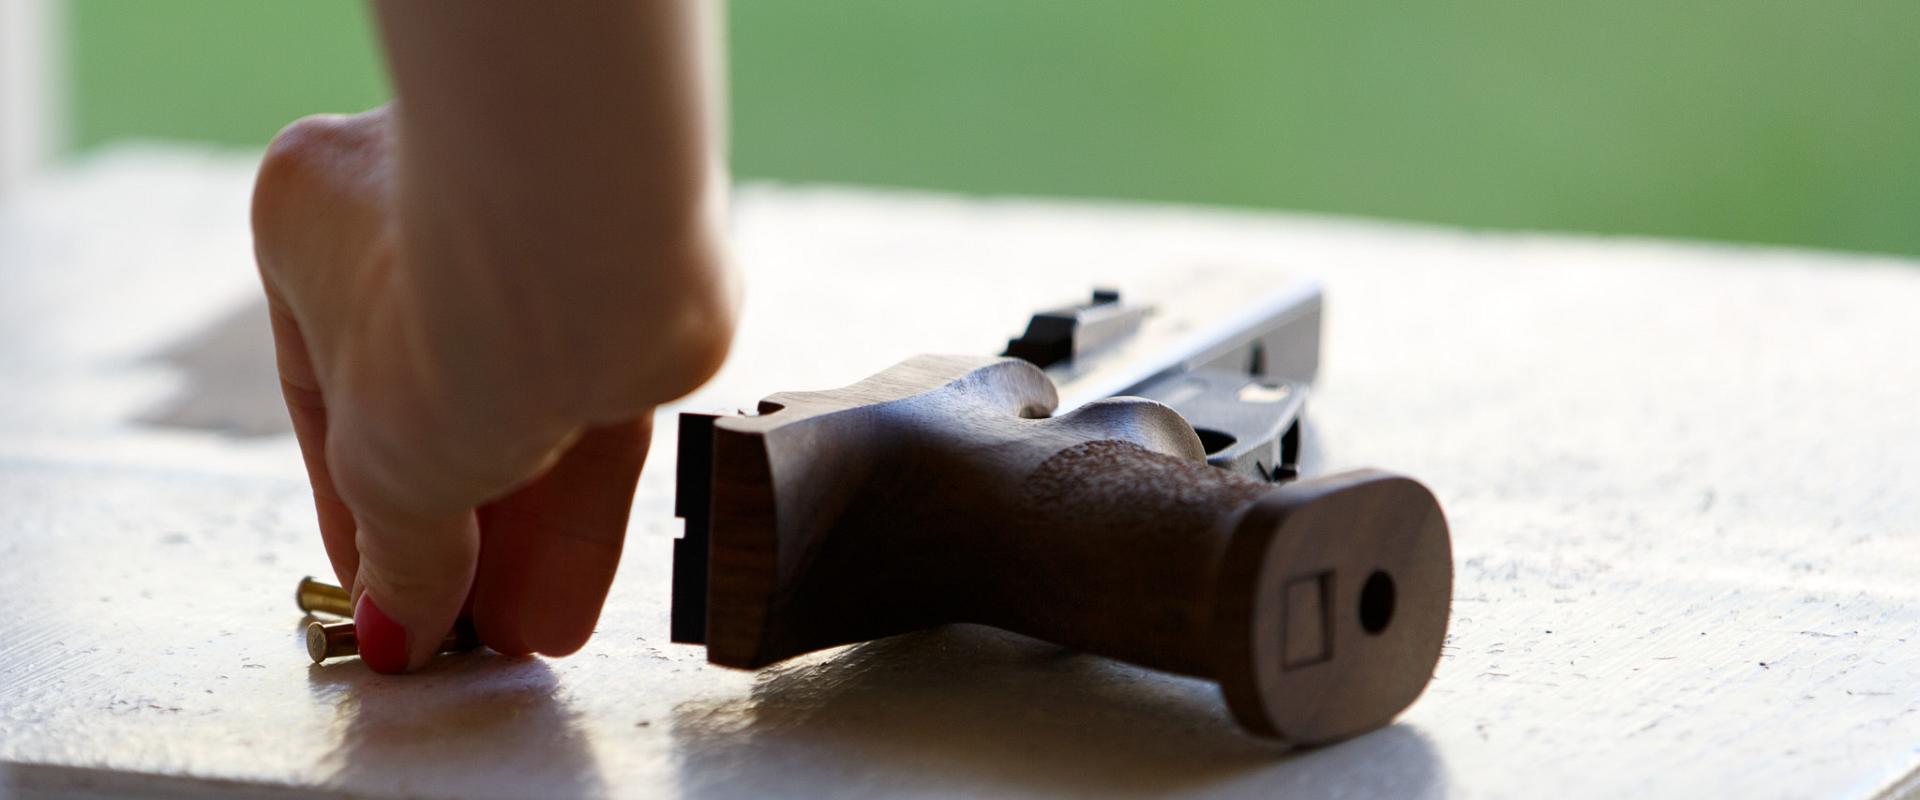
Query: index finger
x=307 y=408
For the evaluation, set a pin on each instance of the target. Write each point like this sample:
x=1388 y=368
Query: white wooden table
x=1684 y=482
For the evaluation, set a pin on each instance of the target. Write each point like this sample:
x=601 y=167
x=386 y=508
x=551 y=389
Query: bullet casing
x=337 y=639
x=331 y=640
x=315 y=597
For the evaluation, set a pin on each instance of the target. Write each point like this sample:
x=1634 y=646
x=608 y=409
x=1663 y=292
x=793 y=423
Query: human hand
x=471 y=381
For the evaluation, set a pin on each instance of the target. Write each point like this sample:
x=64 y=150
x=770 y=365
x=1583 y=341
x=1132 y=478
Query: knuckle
x=305 y=159
x=299 y=150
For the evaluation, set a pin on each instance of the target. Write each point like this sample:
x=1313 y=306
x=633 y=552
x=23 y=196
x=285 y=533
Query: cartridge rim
x=316 y=642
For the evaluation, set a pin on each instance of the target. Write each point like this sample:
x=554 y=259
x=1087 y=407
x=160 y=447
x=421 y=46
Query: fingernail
x=383 y=642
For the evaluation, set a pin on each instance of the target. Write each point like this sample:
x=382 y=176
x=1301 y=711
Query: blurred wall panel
x=1788 y=121
x=31 y=86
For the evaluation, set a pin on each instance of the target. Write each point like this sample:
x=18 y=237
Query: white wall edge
x=32 y=87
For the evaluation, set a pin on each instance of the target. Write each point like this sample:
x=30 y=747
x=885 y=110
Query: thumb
x=415 y=533
x=418 y=549
x=412 y=465
x=412 y=491
x=413 y=580
x=411 y=480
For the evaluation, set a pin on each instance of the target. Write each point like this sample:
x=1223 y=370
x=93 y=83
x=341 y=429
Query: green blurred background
x=1784 y=121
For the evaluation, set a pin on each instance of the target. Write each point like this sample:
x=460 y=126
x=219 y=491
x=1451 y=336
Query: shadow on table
x=229 y=383
x=968 y=710
x=476 y=725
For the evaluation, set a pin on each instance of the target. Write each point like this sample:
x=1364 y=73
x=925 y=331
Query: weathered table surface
x=1684 y=483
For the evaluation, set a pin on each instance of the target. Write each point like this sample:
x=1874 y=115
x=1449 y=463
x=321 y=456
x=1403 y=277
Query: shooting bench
x=1681 y=480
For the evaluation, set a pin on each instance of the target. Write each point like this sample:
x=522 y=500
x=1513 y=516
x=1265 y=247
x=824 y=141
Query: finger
x=413 y=579
x=384 y=438
x=314 y=168
x=549 y=550
x=308 y=411
x=412 y=490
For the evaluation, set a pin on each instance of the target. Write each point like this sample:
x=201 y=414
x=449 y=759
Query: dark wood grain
x=941 y=491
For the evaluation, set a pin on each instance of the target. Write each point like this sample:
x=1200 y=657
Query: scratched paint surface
x=1681 y=479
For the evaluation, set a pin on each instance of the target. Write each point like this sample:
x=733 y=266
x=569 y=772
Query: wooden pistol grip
x=939 y=492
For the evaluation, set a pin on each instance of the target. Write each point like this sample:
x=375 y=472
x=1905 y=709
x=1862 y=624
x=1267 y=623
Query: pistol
x=1122 y=480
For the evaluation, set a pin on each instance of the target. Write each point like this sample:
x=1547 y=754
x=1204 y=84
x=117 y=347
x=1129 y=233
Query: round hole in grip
x=1376 y=602
x=1214 y=441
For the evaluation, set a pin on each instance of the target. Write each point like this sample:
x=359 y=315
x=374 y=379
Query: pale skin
x=479 y=294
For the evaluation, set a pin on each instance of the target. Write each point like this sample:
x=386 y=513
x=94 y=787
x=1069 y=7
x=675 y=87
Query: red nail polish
x=383 y=642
